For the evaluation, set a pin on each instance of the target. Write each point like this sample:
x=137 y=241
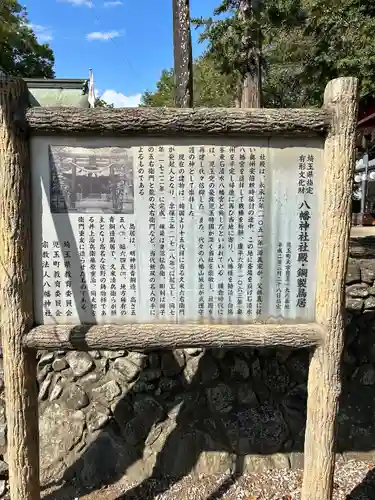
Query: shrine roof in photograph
x=84 y=161
x=78 y=152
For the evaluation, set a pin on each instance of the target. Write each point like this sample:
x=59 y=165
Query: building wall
x=58 y=97
x=109 y=414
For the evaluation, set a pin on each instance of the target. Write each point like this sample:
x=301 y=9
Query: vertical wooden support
x=183 y=58
x=16 y=306
x=324 y=384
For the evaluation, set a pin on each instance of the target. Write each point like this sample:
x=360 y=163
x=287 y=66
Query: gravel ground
x=353 y=481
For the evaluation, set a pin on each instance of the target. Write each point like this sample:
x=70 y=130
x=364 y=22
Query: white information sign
x=175 y=232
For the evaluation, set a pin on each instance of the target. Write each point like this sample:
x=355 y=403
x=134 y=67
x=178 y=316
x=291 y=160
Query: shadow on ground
x=238 y=404
x=365 y=490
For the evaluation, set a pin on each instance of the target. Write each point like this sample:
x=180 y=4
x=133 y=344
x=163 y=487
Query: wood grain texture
x=324 y=384
x=16 y=308
x=178 y=122
x=251 y=41
x=183 y=56
x=170 y=336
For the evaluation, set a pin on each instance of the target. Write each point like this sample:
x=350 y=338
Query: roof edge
x=57 y=83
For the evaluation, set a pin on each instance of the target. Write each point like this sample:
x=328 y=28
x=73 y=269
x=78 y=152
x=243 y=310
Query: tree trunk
x=183 y=58
x=16 y=304
x=251 y=86
x=251 y=91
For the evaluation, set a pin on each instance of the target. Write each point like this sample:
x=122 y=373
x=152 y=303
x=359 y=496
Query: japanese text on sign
x=177 y=233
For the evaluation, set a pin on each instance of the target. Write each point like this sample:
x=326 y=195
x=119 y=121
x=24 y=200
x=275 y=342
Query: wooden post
x=16 y=305
x=324 y=384
x=183 y=59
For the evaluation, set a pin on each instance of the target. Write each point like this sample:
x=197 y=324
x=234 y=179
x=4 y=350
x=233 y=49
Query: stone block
x=80 y=362
x=353 y=274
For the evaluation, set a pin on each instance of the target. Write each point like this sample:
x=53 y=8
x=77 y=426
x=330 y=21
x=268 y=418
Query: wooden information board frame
x=336 y=121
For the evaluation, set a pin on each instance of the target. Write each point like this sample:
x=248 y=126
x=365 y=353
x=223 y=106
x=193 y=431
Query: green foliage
x=100 y=103
x=306 y=43
x=231 y=39
x=20 y=52
x=341 y=43
x=164 y=94
x=210 y=87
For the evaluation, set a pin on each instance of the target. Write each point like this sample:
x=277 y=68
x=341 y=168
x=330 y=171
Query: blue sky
x=127 y=43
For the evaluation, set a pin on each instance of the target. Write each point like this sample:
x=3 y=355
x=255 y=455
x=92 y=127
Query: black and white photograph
x=91 y=180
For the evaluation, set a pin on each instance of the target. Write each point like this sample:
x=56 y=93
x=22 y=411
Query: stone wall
x=106 y=414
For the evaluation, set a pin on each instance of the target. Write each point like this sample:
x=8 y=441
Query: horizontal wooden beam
x=170 y=336
x=177 y=122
